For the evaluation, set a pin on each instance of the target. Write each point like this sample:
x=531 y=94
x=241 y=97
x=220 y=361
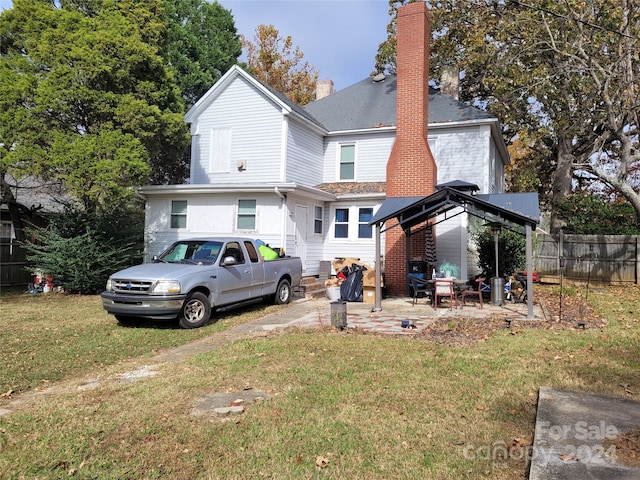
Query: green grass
x=370 y=406
x=49 y=337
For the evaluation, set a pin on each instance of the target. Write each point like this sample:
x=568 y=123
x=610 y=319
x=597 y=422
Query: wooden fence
x=13 y=265
x=597 y=258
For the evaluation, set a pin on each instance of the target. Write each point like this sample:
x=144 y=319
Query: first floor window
x=179 y=214
x=364 y=217
x=317 y=220
x=246 y=215
x=5 y=230
x=342 y=223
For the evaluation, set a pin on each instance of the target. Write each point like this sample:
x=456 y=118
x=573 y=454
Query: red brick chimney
x=411 y=169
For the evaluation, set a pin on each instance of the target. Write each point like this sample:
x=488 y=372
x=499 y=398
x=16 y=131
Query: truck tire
x=283 y=293
x=195 y=311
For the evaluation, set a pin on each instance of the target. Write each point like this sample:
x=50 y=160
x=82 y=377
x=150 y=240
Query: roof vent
x=379 y=77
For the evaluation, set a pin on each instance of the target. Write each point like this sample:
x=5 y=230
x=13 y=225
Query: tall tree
x=275 y=61
x=86 y=98
x=202 y=44
x=560 y=76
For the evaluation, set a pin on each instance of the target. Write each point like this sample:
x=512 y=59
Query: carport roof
x=513 y=208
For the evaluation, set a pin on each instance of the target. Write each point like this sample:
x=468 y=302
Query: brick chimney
x=411 y=169
x=324 y=88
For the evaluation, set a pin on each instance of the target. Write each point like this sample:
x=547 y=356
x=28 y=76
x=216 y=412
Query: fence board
x=13 y=265
x=599 y=258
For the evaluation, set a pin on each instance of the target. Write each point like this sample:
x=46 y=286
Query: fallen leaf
x=566 y=457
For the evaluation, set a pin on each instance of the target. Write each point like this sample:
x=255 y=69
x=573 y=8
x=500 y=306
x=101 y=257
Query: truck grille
x=130 y=286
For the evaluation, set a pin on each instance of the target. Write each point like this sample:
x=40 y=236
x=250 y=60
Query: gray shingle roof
x=368 y=104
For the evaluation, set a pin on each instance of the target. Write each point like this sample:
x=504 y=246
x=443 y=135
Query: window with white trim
x=341 y=227
x=246 y=215
x=364 y=217
x=347 y=162
x=178 y=214
x=317 y=219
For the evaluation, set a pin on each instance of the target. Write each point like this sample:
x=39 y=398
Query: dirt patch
x=461 y=331
x=627 y=447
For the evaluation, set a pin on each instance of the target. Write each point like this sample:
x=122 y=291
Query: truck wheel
x=283 y=293
x=195 y=311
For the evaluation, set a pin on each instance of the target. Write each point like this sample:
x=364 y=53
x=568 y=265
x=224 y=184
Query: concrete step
x=313 y=287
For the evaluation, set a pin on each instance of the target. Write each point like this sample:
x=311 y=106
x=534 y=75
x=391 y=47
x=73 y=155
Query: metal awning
x=519 y=211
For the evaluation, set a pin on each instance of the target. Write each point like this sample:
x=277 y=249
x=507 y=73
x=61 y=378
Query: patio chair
x=519 y=293
x=478 y=291
x=445 y=288
x=418 y=286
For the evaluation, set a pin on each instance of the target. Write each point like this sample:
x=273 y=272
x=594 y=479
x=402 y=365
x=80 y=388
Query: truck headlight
x=108 y=287
x=166 y=286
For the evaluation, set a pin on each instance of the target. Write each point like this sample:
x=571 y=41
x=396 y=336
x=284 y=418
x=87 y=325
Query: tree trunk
x=561 y=180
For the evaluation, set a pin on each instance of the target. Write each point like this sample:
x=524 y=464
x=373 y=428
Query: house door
x=302 y=227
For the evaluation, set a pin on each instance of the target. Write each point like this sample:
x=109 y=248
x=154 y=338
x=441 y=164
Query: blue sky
x=339 y=38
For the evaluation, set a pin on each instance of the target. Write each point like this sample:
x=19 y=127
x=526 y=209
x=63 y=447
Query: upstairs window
x=347 y=162
x=364 y=217
x=179 y=214
x=246 y=215
x=317 y=220
x=342 y=223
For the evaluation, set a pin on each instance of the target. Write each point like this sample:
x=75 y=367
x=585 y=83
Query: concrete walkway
x=572 y=430
x=316 y=313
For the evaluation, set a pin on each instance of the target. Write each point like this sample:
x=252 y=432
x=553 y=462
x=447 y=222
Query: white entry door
x=302 y=227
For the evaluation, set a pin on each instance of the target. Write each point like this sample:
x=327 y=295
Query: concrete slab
x=572 y=430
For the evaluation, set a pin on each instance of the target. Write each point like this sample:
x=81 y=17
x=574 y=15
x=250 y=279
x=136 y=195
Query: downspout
x=283 y=235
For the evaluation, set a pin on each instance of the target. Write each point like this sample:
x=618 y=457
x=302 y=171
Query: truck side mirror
x=229 y=260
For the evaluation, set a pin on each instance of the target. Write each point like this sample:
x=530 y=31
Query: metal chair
x=478 y=292
x=418 y=285
x=445 y=288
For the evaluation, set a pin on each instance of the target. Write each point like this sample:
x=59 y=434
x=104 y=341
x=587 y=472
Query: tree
x=80 y=249
x=586 y=213
x=86 y=98
x=202 y=44
x=560 y=76
x=274 y=61
x=511 y=251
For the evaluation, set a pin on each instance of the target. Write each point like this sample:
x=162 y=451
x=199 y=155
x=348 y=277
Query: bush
x=590 y=214
x=511 y=252
x=79 y=250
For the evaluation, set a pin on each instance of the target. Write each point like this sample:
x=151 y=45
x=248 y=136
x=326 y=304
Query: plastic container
x=333 y=293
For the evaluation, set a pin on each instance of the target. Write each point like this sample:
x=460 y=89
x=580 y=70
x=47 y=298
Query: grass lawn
x=338 y=405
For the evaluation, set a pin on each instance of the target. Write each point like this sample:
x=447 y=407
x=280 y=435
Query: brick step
x=313 y=287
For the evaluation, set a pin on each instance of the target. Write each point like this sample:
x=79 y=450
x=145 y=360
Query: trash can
x=497 y=290
x=339 y=314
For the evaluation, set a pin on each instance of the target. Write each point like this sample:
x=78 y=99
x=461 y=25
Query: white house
x=309 y=179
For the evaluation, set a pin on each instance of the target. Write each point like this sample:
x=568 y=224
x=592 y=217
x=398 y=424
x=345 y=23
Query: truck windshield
x=192 y=251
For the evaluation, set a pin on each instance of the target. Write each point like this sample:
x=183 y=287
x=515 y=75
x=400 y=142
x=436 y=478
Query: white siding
x=461 y=154
x=362 y=248
x=372 y=154
x=304 y=155
x=255 y=125
x=215 y=215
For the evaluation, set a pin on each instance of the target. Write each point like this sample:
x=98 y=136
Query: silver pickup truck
x=194 y=277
